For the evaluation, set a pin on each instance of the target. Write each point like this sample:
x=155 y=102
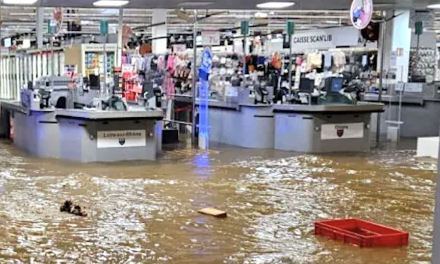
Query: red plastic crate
x=361 y=233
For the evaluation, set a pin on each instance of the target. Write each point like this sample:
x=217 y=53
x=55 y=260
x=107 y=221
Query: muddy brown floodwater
x=146 y=212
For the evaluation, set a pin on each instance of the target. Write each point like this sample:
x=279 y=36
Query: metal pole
x=290 y=64
x=52 y=61
x=417 y=51
x=120 y=37
x=436 y=242
x=382 y=53
x=244 y=60
x=105 y=92
x=194 y=84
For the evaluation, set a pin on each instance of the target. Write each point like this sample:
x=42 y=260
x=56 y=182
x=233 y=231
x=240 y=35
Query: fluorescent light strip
x=109 y=3
x=275 y=5
x=434 y=6
x=19 y=2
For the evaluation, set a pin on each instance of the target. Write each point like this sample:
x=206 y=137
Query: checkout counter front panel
x=248 y=126
x=322 y=132
x=107 y=140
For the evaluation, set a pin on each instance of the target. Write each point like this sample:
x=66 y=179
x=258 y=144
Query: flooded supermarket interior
x=219 y=131
x=146 y=212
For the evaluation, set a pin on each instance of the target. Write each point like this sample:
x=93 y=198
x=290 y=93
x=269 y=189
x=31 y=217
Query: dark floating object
x=70 y=208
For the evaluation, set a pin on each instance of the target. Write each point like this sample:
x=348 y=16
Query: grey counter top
x=330 y=108
x=17 y=106
x=135 y=112
x=386 y=98
x=95 y=115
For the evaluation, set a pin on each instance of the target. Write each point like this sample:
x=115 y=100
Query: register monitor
x=95 y=82
x=334 y=84
x=306 y=85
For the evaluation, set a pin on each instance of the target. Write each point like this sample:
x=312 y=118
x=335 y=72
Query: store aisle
x=145 y=212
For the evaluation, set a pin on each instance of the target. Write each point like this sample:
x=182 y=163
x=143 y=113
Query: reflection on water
x=145 y=212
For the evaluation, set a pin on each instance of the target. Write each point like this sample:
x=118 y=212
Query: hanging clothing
x=171 y=64
x=161 y=63
x=314 y=61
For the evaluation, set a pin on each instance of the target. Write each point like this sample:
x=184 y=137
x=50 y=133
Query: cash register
x=305 y=92
x=335 y=92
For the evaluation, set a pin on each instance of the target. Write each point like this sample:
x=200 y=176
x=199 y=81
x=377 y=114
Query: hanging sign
x=361 y=13
x=56 y=23
x=210 y=38
x=342 y=131
x=325 y=38
x=26 y=44
x=244 y=26
x=290 y=27
x=126 y=34
x=179 y=47
x=103 y=29
x=419 y=27
x=128 y=68
x=393 y=59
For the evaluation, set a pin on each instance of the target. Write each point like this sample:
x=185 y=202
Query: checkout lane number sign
x=122 y=139
x=342 y=131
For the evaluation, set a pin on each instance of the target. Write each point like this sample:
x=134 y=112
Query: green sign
x=290 y=28
x=51 y=26
x=244 y=27
x=104 y=27
x=419 y=28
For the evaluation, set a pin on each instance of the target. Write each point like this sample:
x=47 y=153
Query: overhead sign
x=210 y=38
x=342 y=131
x=179 y=47
x=122 y=139
x=325 y=38
x=56 y=23
x=361 y=13
x=26 y=44
x=7 y=42
x=393 y=59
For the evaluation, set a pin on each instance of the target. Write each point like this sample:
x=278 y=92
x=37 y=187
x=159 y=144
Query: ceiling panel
x=243 y=4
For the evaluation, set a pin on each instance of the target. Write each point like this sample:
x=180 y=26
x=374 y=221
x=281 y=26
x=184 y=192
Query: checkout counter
x=111 y=132
x=316 y=125
x=420 y=108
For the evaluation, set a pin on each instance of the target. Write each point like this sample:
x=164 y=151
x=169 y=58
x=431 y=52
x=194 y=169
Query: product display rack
x=89 y=59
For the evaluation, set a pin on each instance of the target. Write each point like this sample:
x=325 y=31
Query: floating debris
x=214 y=212
x=70 y=208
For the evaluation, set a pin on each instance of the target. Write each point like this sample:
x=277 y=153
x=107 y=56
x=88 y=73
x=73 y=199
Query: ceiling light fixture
x=110 y=3
x=275 y=5
x=434 y=6
x=195 y=4
x=19 y=2
x=261 y=15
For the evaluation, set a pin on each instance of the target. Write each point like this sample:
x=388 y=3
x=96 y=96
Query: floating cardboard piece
x=214 y=212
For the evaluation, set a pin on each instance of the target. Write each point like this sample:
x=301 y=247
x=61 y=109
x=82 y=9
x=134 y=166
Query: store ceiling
x=23 y=19
x=19 y=19
x=241 y=4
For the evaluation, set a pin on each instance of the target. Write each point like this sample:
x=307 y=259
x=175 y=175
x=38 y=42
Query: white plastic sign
x=210 y=38
x=122 y=139
x=325 y=38
x=342 y=131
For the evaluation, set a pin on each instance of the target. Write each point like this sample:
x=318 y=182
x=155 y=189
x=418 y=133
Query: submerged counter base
x=85 y=136
x=298 y=128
